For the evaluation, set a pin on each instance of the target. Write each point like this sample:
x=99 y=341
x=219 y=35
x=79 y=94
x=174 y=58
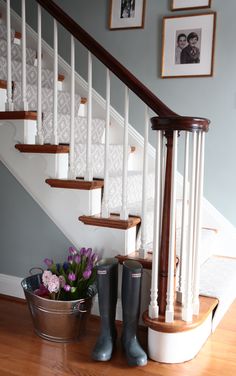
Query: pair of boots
x=107 y=284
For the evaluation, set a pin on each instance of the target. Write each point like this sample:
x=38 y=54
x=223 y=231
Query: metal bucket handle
x=35 y=268
x=77 y=306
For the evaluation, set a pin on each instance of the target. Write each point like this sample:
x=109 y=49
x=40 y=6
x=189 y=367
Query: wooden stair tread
x=18 y=35
x=61 y=77
x=207 y=306
x=18 y=115
x=75 y=184
x=113 y=221
x=45 y=149
x=3 y=84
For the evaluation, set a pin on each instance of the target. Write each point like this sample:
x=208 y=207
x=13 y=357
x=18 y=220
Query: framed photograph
x=126 y=14
x=190 y=4
x=188 y=45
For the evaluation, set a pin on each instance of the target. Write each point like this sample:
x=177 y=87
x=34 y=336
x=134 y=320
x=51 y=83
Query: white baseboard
x=11 y=285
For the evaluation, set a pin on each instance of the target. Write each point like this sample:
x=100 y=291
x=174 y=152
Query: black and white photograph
x=188 y=45
x=126 y=14
x=190 y=4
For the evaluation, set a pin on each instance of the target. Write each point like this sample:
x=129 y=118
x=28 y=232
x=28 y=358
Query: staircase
x=105 y=187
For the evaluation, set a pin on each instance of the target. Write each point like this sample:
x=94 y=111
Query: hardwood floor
x=23 y=353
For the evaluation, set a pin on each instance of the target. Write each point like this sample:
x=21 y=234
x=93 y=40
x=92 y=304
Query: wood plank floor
x=24 y=353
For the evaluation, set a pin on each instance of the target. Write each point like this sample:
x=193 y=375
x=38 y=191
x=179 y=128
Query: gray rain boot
x=107 y=280
x=131 y=289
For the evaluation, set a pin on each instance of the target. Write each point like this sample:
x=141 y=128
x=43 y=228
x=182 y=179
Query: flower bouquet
x=60 y=298
x=70 y=280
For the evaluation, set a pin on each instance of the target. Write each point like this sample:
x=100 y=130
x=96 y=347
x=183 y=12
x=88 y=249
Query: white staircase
x=125 y=193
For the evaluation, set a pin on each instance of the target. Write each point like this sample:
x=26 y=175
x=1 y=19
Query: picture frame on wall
x=188 y=45
x=127 y=14
x=190 y=4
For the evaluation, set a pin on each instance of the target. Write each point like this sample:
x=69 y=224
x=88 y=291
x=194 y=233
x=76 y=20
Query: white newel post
x=9 y=104
x=184 y=223
x=24 y=103
x=105 y=201
x=124 y=209
x=72 y=172
x=169 y=314
x=89 y=168
x=143 y=246
x=153 y=310
x=55 y=85
x=39 y=136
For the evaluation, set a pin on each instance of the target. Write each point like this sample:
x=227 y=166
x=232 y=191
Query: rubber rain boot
x=131 y=290
x=107 y=284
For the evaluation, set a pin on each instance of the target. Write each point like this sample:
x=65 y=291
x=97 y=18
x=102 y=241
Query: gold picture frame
x=188 y=45
x=189 y=4
x=127 y=14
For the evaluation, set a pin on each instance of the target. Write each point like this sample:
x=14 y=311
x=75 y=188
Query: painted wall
x=27 y=234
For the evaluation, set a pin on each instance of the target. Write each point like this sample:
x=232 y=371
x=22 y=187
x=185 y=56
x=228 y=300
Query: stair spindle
x=153 y=306
x=198 y=217
x=9 y=104
x=169 y=313
x=89 y=166
x=55 y=83
x=105 y=202
x=124 y=209
x=187 y=312
x=24 y=104
x=72 y=172
x=143 y=246
x=184 y=222
x=39 y=136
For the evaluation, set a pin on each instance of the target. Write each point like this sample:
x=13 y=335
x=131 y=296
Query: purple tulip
x=72 y=276
x=77 y=259
x=67 y=288
x=87 y=273
x=48 y=262
x=82 y=251
x=72 y=251
x=89 y=252
x=70 y=259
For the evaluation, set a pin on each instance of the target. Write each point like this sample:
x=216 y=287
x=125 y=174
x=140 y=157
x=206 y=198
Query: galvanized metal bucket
x=56 y=320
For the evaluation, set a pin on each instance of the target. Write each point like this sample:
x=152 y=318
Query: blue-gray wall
x=27 y=235
x=140 y=50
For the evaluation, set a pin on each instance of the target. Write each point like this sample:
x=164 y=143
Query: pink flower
x=54 y=284
x=62 y=280
x=72 y=276
x=46 y=277
x=87 y=274
x=67 y=288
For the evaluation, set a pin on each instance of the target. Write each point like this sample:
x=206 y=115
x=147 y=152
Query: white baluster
x=72 y=172
x=9 y=103
x=55 y=84
x=183 y=249
x=187 y=311
x=89 y=167
x=124 y=209
x=198 y=217
x=169 y=314
x=105 y=201
x=143 y=246
x=24 y=103
x=39 y=136
x=153 y=310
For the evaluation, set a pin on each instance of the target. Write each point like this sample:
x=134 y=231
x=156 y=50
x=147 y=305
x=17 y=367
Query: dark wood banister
x=107 y=59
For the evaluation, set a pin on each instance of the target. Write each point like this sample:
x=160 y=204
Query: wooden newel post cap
x=180 y=123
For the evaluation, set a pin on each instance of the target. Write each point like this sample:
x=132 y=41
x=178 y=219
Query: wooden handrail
x=107 y=59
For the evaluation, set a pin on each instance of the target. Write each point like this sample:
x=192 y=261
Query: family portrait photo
x=188 y=45
x=126 y=14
